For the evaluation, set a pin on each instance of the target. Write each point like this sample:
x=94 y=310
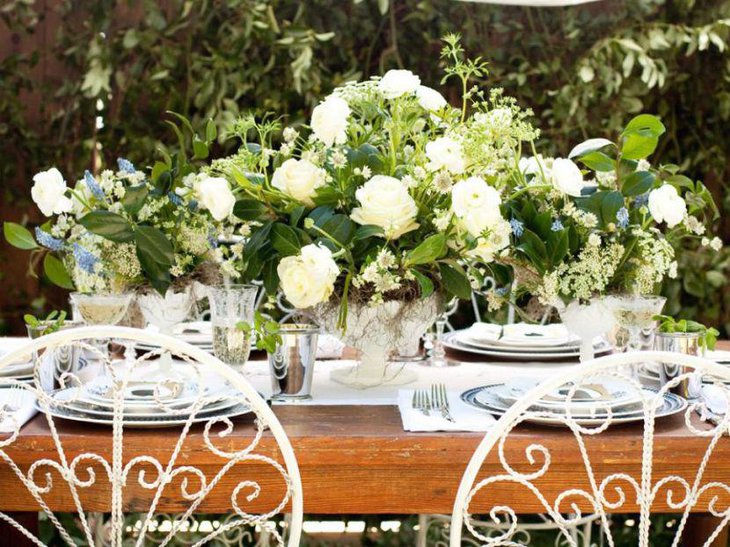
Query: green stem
x=529 y=188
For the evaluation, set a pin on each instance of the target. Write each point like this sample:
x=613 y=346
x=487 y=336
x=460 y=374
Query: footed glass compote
x=101 y=309
x=635 y=313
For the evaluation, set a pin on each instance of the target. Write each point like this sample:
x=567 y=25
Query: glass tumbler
x=229 y=306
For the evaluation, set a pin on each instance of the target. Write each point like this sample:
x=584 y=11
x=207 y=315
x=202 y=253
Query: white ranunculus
x=666 y=205
x=329 y=120
x=309 y=278
x=591 y=145
x=445 y=153
x=299 y=179
x=398 y=82
x=475 y=204
x=430 y=99
x=385 y=202
x=566 y=177
x=49 y=193
x=214 y=193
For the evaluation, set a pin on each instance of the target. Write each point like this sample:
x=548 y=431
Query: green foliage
x=707 y=335
x=53 y=322
x=265 y=329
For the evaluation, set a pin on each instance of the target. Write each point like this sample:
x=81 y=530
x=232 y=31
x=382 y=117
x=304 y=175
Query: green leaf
x=157 y=169
x=211 y=131
x=367 y=231
x=56 y=272
x=200 y=149
x=340 y=228
x=285 y=240
x=424 y=282
x=270 y=277
x=645 y=125
x=454 y=279
x=637 y=183
x=636 y=147
x=598 y=161
x=296 y=214
x=109 y=225
x=19 y=236
x=558 y=247
x=429 y=250
x=610 y=204
x=156 y=256
x=134 y=198
x=249 y=209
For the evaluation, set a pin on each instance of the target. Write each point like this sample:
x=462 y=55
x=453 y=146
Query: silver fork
x=441 y=401
x=421 y=401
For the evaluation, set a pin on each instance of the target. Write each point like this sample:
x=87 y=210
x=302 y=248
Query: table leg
x=698 y=529
x=10 y=536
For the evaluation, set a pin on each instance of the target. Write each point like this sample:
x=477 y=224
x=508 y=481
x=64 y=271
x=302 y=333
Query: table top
x=358 y=459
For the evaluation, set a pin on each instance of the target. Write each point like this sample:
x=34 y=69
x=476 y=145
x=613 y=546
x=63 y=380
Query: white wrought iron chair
x=528 y=467
x=208 y=455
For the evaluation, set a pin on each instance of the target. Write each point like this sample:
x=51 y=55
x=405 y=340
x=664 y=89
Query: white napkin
x=715 y=398
x=21 y=416
x=466 y=418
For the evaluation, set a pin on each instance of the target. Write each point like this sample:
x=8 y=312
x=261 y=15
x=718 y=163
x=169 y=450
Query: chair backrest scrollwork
x=226 y=454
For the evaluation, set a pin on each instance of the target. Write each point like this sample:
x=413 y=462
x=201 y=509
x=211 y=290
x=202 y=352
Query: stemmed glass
x=101 y=309
x=229 y=306
x=635 y=313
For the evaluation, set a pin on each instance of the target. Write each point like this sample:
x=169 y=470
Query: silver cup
x=680 y=342
x=292 y=363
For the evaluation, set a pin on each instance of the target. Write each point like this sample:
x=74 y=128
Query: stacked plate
x=21 y=371
x=591 y=404
x=520 y=341
x=161 y=403
x=197 y=333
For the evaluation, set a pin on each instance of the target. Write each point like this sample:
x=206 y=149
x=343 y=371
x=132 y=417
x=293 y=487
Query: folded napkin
x=520 y=334
x=329 y=347
x=715 y=398
x=15 y=419
x=466 y=418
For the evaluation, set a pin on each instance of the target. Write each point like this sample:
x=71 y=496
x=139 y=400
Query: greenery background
x=584 y=70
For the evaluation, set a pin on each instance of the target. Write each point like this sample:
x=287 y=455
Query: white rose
x=666 y=205
x=476 y=205
x=446 y=153
x=309 y=278
x=214 y=193
x=398 y=82
x=566 y=177
x=329 y=120
x=430 y=99
x=49 y=193
x=385 y=202
x=299 y=179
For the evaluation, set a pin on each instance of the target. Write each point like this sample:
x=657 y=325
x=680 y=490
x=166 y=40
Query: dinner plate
x=140 y=396
x=146 y=423
x=598 y=393
x=69 y=398
x=672 y=404
x=450 y=340
x=17 y=369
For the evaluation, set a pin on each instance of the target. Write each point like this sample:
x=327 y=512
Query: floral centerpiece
x=374 y=214
x=608 y=227
x=126 y=230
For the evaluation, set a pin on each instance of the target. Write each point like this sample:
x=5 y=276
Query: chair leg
x=423 y=523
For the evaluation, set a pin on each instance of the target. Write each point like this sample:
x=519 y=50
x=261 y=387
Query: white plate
x=146 y=423
x=673 y=404
x=617 y=393
x=519 y=336
x=451 y=341
x=69 y=398
x=97 y=393
x=17 y=369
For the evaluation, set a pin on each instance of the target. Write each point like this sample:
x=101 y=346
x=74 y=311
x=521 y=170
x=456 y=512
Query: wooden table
x=358 y=459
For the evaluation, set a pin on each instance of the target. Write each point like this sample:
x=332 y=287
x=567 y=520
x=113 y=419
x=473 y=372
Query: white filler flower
x=445 y=153
x=299 y=179
x=396 y=83
x=214 y=193
x=309 y=278
x=329 y=120
x=385 y=202
x=666 y=205
x=49 y=193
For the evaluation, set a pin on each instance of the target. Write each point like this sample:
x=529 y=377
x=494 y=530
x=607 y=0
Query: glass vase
x=587 y=320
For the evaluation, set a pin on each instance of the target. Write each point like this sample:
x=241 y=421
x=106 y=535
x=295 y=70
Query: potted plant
x=377 y=212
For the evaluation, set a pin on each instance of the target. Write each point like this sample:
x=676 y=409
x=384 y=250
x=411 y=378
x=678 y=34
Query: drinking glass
x=635 y=313
x=230 y=305
x=101 y=309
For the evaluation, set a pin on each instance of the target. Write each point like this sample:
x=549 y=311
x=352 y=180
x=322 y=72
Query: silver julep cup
x=680 y=342
x=292 y=363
